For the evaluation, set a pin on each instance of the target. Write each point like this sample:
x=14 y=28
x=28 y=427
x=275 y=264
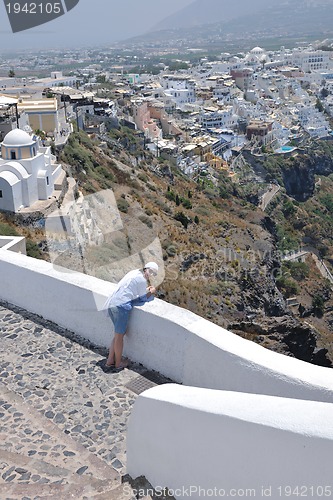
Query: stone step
x=76 y=491
x=28 y=437
x=122 y=492
x=58 y=375
x=62 y=419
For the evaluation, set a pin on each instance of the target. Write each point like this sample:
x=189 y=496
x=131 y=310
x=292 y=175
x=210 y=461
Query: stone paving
x=62 y=419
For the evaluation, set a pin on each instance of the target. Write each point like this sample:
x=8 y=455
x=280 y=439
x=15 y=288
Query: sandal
x=123 y=364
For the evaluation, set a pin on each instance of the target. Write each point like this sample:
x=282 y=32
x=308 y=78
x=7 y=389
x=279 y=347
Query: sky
x=89 y=23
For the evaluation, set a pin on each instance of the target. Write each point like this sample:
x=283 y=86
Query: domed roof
x=16 y=138
x=251 y=57
x=257 y=50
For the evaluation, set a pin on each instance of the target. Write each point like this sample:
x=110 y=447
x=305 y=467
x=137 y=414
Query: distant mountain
x=295 y=19
x=210 y=11
x=202 y=12
x=210 y=23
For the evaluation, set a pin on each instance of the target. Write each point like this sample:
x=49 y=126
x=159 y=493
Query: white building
x=43 y=114
x=218 y=118
x=312 y=120
x=28 y=172
x=179 y=89
x=328 y=105
x=222 y=93
x=256 y=57
x=57 y=80
x=311 y=60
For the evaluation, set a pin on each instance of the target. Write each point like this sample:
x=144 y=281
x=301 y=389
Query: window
x=13 y=155
x=47 y=181
x=0 y=193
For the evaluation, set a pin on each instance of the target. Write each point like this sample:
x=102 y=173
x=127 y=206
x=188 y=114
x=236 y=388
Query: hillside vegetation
x=222 y=254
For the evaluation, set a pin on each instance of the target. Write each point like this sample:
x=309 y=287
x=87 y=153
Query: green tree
x=40 y=133
x=288 y=208
x=177 y=65
x=7 y=230
x=11 y=73
x=170 y=195
x=318 y=305
x=100 y=79
x=181 y=217
x=33 y=250
x=287 y=286
x=122 y=205
x=298 y=270
x=186 y=203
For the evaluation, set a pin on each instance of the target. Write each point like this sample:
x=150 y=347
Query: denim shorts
x=119 y=317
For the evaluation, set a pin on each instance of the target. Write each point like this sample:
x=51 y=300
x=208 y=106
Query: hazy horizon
x=90 y=24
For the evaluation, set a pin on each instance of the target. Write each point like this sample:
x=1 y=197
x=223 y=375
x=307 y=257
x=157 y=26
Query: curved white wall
x=163 y=337
x=64 y=298
x=194 y=351
x=231 y=444
x=13 y=243
x=188 y=438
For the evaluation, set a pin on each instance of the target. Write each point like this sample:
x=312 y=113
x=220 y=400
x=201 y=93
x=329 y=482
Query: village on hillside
x=200 y=117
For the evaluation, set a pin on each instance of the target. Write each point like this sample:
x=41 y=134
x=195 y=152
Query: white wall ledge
x=13 y=243
x=227 y=441
x=197 y=436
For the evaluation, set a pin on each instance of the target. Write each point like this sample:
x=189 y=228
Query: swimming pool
x=285 y=149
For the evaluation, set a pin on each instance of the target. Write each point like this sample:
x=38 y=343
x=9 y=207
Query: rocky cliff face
x=299 y=173
x=223 y=262
x=299 y=180
x=286 y=335
x=296 y=172
x=258 y=290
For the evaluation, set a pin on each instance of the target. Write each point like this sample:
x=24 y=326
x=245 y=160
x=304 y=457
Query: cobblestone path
x=62 y=419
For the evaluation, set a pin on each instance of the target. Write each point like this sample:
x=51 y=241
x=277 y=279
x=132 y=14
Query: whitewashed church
x=28 y=171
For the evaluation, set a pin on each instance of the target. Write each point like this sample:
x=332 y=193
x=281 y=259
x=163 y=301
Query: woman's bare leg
x=118 y=350
x=110 y=360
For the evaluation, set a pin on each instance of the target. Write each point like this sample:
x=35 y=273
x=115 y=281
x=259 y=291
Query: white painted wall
x=194 y=351
x=11 y=192
x=183 y=437
x=163 y=337
x=13 y=243
x=244 y=445
x=62 y=297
